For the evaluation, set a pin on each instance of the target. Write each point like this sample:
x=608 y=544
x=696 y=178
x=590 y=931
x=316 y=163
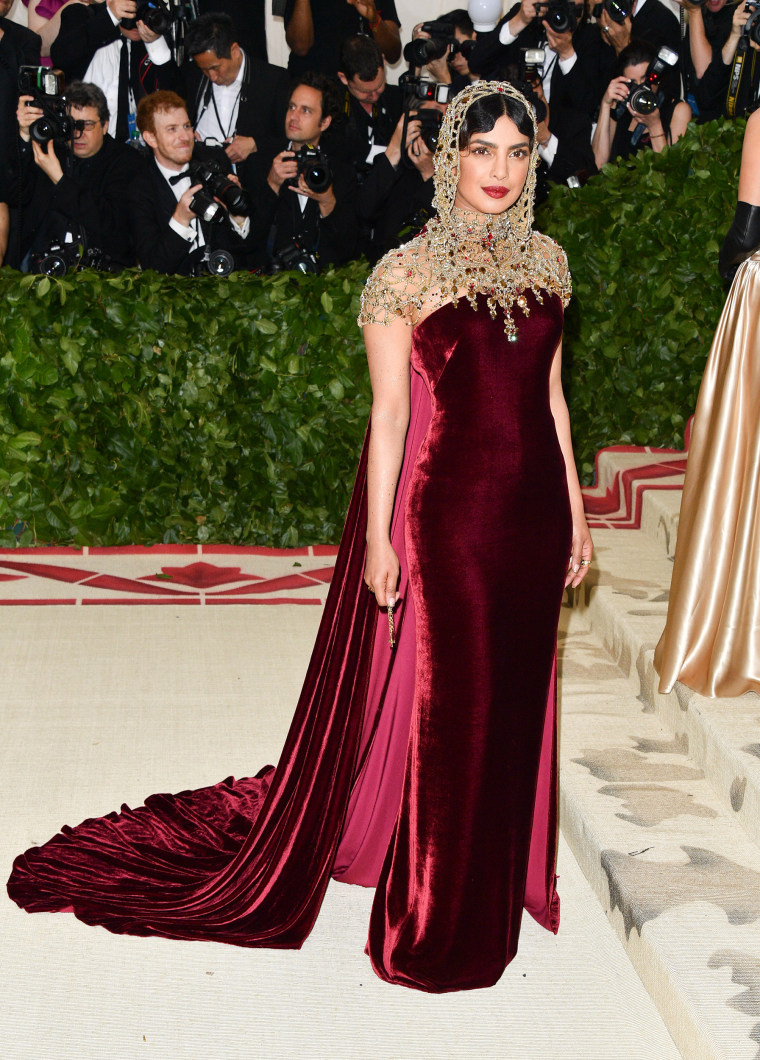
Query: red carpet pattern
x=171 y=574
x=623 y=474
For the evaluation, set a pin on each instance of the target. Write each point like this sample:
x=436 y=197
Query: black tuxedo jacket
x=657 y=25
x=350 y=133
x=151 y=203
x=92 y=194
x=18 y=47
x=574 y=153
x=86 y=29
x=581 y=88
x=387 y=200
x=264 y=100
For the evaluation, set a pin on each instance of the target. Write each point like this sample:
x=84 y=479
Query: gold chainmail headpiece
x=460 y=253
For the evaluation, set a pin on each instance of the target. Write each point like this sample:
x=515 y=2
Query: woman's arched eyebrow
x=489 y=143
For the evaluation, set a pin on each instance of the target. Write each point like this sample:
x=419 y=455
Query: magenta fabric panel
x=488 y=539
x=47 y=8
x=541 y=898
x=375 y=799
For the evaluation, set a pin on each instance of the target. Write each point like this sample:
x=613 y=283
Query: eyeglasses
x=84 y=124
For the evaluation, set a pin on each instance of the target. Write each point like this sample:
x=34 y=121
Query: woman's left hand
x=582 y=551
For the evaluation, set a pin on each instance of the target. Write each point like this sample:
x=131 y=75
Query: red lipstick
x=496 y=191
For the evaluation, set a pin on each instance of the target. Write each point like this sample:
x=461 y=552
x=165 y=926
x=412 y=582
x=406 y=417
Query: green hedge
x=642 y=240
x=140 y=408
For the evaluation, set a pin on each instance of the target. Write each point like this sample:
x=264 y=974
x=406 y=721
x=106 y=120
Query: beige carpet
x=103 y=705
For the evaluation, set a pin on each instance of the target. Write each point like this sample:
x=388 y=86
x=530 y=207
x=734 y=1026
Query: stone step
x=627 y=478
x=659 y=515
x=676 y=874
x=625 y=604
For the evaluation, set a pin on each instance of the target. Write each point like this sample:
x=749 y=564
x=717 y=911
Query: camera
x=465 y=47
x=414 y=88
x=430 y=126
x=45 y=88
x=60 y=257
x=153 y=13
x=618 y=10
x=559 y=14
x=646 y=97
x=214 y=263
x=423 y=50
x=314 y=165
x=531 y=65
x=216 y=185
x=295 y=257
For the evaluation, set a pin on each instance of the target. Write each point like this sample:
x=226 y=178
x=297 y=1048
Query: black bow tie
x=179 y=176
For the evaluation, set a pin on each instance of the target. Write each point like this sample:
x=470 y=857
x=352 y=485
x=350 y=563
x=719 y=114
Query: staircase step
x=625 y=476
x=677 y=875
x=660 y=508
x=625 y=603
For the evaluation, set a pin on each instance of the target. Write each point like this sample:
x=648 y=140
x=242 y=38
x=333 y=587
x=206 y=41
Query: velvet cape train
x=474 y=840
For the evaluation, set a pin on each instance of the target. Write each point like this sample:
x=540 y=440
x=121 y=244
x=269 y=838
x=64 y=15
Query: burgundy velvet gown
x=429 y=772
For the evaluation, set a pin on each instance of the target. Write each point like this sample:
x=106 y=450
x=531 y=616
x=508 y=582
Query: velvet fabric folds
x=711 y=641
x=429 y=772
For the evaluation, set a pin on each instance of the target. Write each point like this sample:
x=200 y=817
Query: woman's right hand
x=381 y=572
x=617 y=90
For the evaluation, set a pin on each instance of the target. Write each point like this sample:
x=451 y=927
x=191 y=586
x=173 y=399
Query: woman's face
x=493 y=169
x=636 y=72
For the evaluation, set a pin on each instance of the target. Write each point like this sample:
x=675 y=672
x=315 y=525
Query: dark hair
x=360 y=56
x=486 y=111
x=84 y=94
x=328 y=89
x=214 y=32
x=638 y=51
x=459 y=19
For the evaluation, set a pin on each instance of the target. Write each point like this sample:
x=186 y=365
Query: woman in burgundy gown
x=427 y=769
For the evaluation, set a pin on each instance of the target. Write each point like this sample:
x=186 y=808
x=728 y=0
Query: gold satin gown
x=711 y=640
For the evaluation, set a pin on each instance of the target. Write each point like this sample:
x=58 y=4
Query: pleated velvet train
x=711 y=641
x=429 y=772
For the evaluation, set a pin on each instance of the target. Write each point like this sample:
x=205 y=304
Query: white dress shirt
x=103 y=71
x=218 y=119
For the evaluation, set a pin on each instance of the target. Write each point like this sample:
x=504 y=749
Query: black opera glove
x=742 y=240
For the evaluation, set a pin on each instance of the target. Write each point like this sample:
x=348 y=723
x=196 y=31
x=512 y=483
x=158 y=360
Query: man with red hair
x=170 y=234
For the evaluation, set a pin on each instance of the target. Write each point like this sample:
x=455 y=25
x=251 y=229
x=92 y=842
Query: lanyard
x=227 y=133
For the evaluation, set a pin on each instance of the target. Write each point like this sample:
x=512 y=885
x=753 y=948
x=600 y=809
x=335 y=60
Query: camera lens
x=52 y=265
x=643 y=100
x=220 y=263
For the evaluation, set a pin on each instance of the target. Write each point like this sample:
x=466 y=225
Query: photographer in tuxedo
x=397 y=193
x=172 y=230
x=235 y=100
x=371 y=107
x=102 y=43
x=18 y=47
x=309 y=193
x=75 y=188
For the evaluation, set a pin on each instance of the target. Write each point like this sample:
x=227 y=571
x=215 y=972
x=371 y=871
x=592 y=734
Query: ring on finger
x=585 y=562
